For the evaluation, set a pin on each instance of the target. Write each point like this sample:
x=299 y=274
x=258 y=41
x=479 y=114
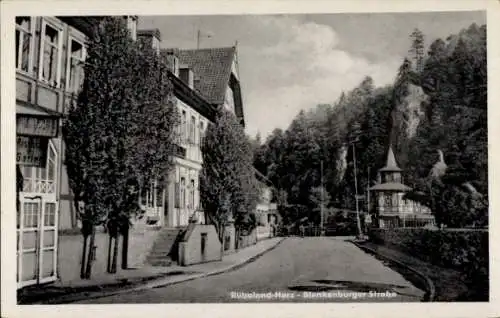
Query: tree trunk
x=90 y=253
x=115 y=254
x=84 y=256
x=110 y=244
x=125 y=248
x=222 y=232
x=236 y=238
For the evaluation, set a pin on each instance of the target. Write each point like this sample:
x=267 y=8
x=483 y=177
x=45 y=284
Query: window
x=144 y=197
x=76 y=59
x=31 y=215
x=177 y=203
x=192 y=130
x=183 y=126
x=50 y=55
x=50 y=214
x=387 y=200
x=183 y=192
x=51 y=165
x=24 y=39
x=159 y=196
x=202 y=132
x=191 y=194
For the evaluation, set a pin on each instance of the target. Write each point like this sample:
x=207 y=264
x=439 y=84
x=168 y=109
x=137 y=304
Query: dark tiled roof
x=212 y=67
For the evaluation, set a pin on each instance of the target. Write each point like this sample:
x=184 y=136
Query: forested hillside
x=440 y=106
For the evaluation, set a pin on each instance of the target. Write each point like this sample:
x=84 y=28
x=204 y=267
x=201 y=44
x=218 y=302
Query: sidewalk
x=146 y=277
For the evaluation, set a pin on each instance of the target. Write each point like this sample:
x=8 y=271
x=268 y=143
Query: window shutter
x=177 y=195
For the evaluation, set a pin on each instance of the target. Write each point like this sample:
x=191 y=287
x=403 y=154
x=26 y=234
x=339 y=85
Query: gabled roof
x=212 y=66
x=391 y=164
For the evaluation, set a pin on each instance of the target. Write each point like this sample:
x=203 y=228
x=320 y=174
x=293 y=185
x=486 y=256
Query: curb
x=431 y=289
x=158 y=284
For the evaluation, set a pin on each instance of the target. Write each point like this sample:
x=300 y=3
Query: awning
x=36 y=121
x=24 y=108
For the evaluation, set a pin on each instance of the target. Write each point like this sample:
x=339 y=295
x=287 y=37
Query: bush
x=461 y=249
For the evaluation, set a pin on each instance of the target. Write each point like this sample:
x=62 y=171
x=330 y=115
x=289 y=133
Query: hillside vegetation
x=442 y=107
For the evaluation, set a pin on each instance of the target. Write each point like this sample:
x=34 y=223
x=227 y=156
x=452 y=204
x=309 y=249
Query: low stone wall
x=229 y=241
x=263 y=232
x=248 y=240
x=200 y=244
x=70 y=249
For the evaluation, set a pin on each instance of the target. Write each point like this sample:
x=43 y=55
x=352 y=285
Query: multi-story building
x=266 y=210
x=202 y=80
x=50 y=52
x=391 y=208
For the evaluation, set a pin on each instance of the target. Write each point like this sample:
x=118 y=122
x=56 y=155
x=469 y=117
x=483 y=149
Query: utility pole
x=356 y=190
x=368 y=192
x=198 y=40
x=322 y=198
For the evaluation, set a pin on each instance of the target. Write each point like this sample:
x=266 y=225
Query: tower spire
x=391 y=160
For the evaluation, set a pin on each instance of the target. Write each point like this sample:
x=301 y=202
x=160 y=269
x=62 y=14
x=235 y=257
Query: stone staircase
x=165 y=247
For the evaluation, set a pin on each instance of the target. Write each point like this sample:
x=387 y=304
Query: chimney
x=172 y=56
x=132 y=25
x=150 y=38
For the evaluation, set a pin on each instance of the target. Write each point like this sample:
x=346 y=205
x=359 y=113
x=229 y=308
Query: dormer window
x=186 y=75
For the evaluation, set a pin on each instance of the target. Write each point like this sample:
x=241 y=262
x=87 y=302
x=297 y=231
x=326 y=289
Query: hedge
x=462 y=250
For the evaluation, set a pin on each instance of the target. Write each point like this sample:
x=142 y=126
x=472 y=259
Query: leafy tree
x=110 y=152
x=417 y=49
x=87 y=130
x=453 y=75
x=228 y=188
x=149 y=149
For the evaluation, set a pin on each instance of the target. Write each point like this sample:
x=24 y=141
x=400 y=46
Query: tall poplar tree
x=119 y=135
x=228 y=188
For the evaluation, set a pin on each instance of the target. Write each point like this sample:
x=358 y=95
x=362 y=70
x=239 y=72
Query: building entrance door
x=152 y=201
x=36 y=241
x=37 y=218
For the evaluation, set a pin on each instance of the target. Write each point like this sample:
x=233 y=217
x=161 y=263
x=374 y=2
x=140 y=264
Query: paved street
x=318 y=269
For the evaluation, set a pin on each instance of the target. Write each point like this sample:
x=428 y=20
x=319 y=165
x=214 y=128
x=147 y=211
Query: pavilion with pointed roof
x=390 y=208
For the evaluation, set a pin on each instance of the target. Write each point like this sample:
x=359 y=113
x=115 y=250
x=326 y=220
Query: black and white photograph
x=279 y=157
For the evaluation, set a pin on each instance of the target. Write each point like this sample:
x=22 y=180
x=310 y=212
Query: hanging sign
x=37 y=126
x=31 y=151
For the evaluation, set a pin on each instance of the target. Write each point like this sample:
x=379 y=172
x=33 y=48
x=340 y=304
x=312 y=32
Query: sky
x=292 y=62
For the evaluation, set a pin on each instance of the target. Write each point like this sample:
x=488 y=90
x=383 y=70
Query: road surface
x=315 y=269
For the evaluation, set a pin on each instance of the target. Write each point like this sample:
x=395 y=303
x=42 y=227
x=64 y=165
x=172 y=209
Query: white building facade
x=200 y=78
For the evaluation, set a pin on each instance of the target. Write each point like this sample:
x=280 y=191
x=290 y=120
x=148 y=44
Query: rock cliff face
x=412 y=109
x=406 y=118
x=341 y=163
